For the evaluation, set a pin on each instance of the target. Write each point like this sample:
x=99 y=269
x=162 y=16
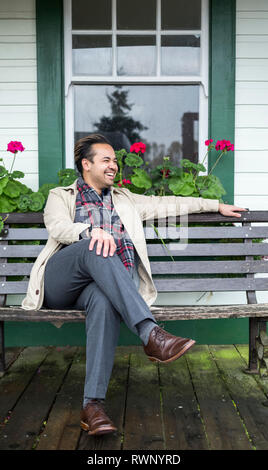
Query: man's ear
x=86 y=164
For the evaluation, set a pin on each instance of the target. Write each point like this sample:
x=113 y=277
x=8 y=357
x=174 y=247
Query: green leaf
x=133 y=159
x=45 y=188
x=200 y=167
x=141 y=179
x=23 y=188
x=3 y=171
x=11 y=189
x=67 y=176
x=183 y=186
x=3 y=183
x=37 y=201
x=24 y=202
x=6 y=204
x=120 y=153
x=17 y=174
x=185 y=163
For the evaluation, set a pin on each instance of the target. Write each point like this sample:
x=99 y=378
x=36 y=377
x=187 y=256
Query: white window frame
x=70 y=80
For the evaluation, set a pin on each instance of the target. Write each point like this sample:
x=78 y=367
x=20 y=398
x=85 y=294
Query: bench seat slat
x=160 y=313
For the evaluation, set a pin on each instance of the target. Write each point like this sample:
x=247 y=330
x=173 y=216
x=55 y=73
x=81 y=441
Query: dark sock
x=90 y=400
x=144 y=329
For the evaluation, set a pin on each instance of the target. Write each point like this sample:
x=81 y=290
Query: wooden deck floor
x=202 y=401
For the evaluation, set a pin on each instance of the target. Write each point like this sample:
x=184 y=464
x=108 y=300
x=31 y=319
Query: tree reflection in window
x=165 y=118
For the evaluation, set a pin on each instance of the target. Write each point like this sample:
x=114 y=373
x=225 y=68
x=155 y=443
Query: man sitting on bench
x=96 y=260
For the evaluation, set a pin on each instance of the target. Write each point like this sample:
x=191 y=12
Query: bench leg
x=2 y=349
x=254 y=327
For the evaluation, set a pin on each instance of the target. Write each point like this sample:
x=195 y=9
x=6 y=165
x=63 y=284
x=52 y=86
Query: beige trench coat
x=133 y=209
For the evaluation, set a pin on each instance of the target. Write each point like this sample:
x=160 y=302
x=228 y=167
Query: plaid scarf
x=98 y=210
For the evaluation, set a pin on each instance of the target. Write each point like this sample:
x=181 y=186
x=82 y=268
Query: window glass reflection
x=136 y=55
x=138 y=14
x=182 y=14
x=165 y=117
x=92 y=55
x=180 y=55
x=91 y=15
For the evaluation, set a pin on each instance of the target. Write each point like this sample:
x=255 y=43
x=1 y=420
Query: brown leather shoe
x=94 y=419
x=164 y=347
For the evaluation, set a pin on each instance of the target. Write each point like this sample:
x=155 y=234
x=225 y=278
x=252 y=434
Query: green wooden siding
x=222 y=88
x=50 y=81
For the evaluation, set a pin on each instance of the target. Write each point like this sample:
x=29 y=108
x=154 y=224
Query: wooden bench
x=218 y=257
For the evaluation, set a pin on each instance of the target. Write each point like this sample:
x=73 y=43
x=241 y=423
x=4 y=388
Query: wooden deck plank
x=31 y=410
x=114 y=405
x=11 y=355
x=181 y=417
x=246 y=394
x=143 y=424
x=223 y=427
x=17 y=377
x=261 y=381
x=62 y=429
x=203 y=400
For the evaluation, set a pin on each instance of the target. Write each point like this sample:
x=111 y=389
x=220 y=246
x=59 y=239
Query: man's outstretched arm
x=150 y=207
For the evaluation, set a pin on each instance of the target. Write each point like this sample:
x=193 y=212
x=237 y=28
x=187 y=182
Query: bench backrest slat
x=208 y=267
x=206 y=263
x=173 y=285
x=208 y=249
x=26 y=234
x=164 y=232
x=191 y=249
x=206 y=233
x=211 y=284
x=15 y=269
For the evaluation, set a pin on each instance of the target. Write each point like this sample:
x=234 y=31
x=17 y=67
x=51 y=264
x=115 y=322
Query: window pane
x=92 y=55
x=165 y=117
x=136 y=55
x=180 y=55
x=138 y=14
x=182 y=14
x=91 y=15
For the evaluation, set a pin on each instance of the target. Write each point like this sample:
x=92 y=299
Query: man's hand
x=103 y=239
x=229 y=211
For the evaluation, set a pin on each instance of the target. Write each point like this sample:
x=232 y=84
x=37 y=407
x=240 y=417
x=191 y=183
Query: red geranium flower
x=14 y=146
x=165 y=173
x=208 y=142
x=138 y=147
x=125 y=182
x=224 y=144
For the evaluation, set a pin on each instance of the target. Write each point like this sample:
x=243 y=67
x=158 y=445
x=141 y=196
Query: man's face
x=101 y=172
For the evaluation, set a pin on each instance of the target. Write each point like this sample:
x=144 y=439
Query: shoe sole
x=98 y=431
x=186 y=347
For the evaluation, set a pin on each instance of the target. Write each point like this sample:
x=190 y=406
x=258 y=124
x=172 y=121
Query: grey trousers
x=78 y=278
